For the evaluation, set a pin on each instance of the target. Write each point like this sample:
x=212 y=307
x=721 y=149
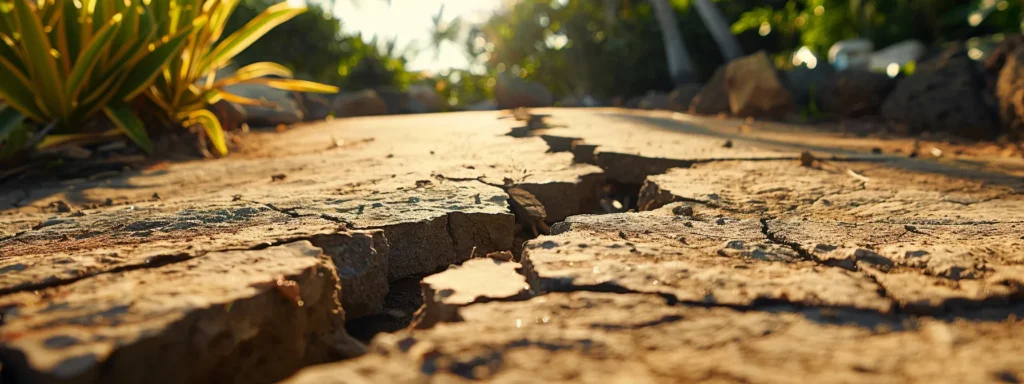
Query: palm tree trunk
x=680 y=67
x=611 y=11
x=719 y=29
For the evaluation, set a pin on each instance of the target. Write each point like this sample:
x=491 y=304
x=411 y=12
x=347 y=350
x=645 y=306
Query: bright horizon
x=411 y=22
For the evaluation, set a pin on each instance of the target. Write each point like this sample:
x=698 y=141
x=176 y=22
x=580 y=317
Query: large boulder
x=362 y=103
x=713 y=98
x=424 y=99
x=315 y=107
x=484 y=105
x=1010 y=94
x=854 y=93
x=279 y=106
x=945 y=94
x=805 y=83
x=997 y=58
x=230 y=115
x=681 y=97
x=754 y=88
x=654 y=100
x=395 y=99
x=513 y=92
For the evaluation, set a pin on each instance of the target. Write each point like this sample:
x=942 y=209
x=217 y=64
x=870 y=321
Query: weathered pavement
x=746 y=262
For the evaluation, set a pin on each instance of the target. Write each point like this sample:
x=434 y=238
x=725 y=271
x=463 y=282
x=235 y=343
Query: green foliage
x=65 y=61
x=189 y=82
x=818 y=24
x=314 y=48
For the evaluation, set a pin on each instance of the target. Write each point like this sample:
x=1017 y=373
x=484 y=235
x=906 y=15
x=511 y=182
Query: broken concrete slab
x=361 y=259
x=228 y=317
x=634 y=338
x=724 y=261
x=843 y=191
x=68 y=247
x=477 y=280
x=429 y=224
x=953 y=252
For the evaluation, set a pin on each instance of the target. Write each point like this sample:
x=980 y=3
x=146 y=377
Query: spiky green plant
x=65 y=61
x=189 y=83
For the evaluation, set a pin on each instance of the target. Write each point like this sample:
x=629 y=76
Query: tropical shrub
x=63 y=62
x=190 y=81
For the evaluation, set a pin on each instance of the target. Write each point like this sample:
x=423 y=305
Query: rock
x=805 y=83
x=486 y=105
x=576 y=102
x=362 y=103
x=220 y=318
x=1010 y=94
x=231 y=115
x=529 y=211
x=754 y=88
x=361 y=261
x=944 y=94
x=396 y=101
x=475 y=281
x=855 y=93
x=315 y=107
x=424 y=99
x=851 y=54
x=1002 y=52
x=900 y=53
x=713 y=97
x=281 y=108
x=513 y=92
x=654 y=100
x=681 y=97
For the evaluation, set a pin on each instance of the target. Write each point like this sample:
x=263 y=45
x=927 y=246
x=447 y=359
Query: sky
x=411 y=22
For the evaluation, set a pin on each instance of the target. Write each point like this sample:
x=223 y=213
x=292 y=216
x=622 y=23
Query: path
x=749 y=261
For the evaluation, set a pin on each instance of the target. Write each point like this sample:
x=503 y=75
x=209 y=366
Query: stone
x=475 y=281
x=395 y=100
x=362 y=103
x=805 y=83
x=1002 y=52
x=851 y=54
x=361 y=261
x=528 y=210
x=654 y=100
x=221 y=318
x=855 y=93
x=713 y=98
x=512 y=92
x=944 y=94
x=230 y=115
x=315 y=107
x=1010 y=94
x=424 y=99
x=279 y=108
x=899 y=53
x=681 y=97
x=485 y=105
x=754 y=88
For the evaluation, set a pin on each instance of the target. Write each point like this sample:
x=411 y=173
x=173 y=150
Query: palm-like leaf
x=64 y=61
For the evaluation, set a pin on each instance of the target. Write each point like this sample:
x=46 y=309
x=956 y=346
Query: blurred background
x=601 y=52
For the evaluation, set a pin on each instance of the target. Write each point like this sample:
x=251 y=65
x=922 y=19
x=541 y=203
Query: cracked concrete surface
x=740 y=266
